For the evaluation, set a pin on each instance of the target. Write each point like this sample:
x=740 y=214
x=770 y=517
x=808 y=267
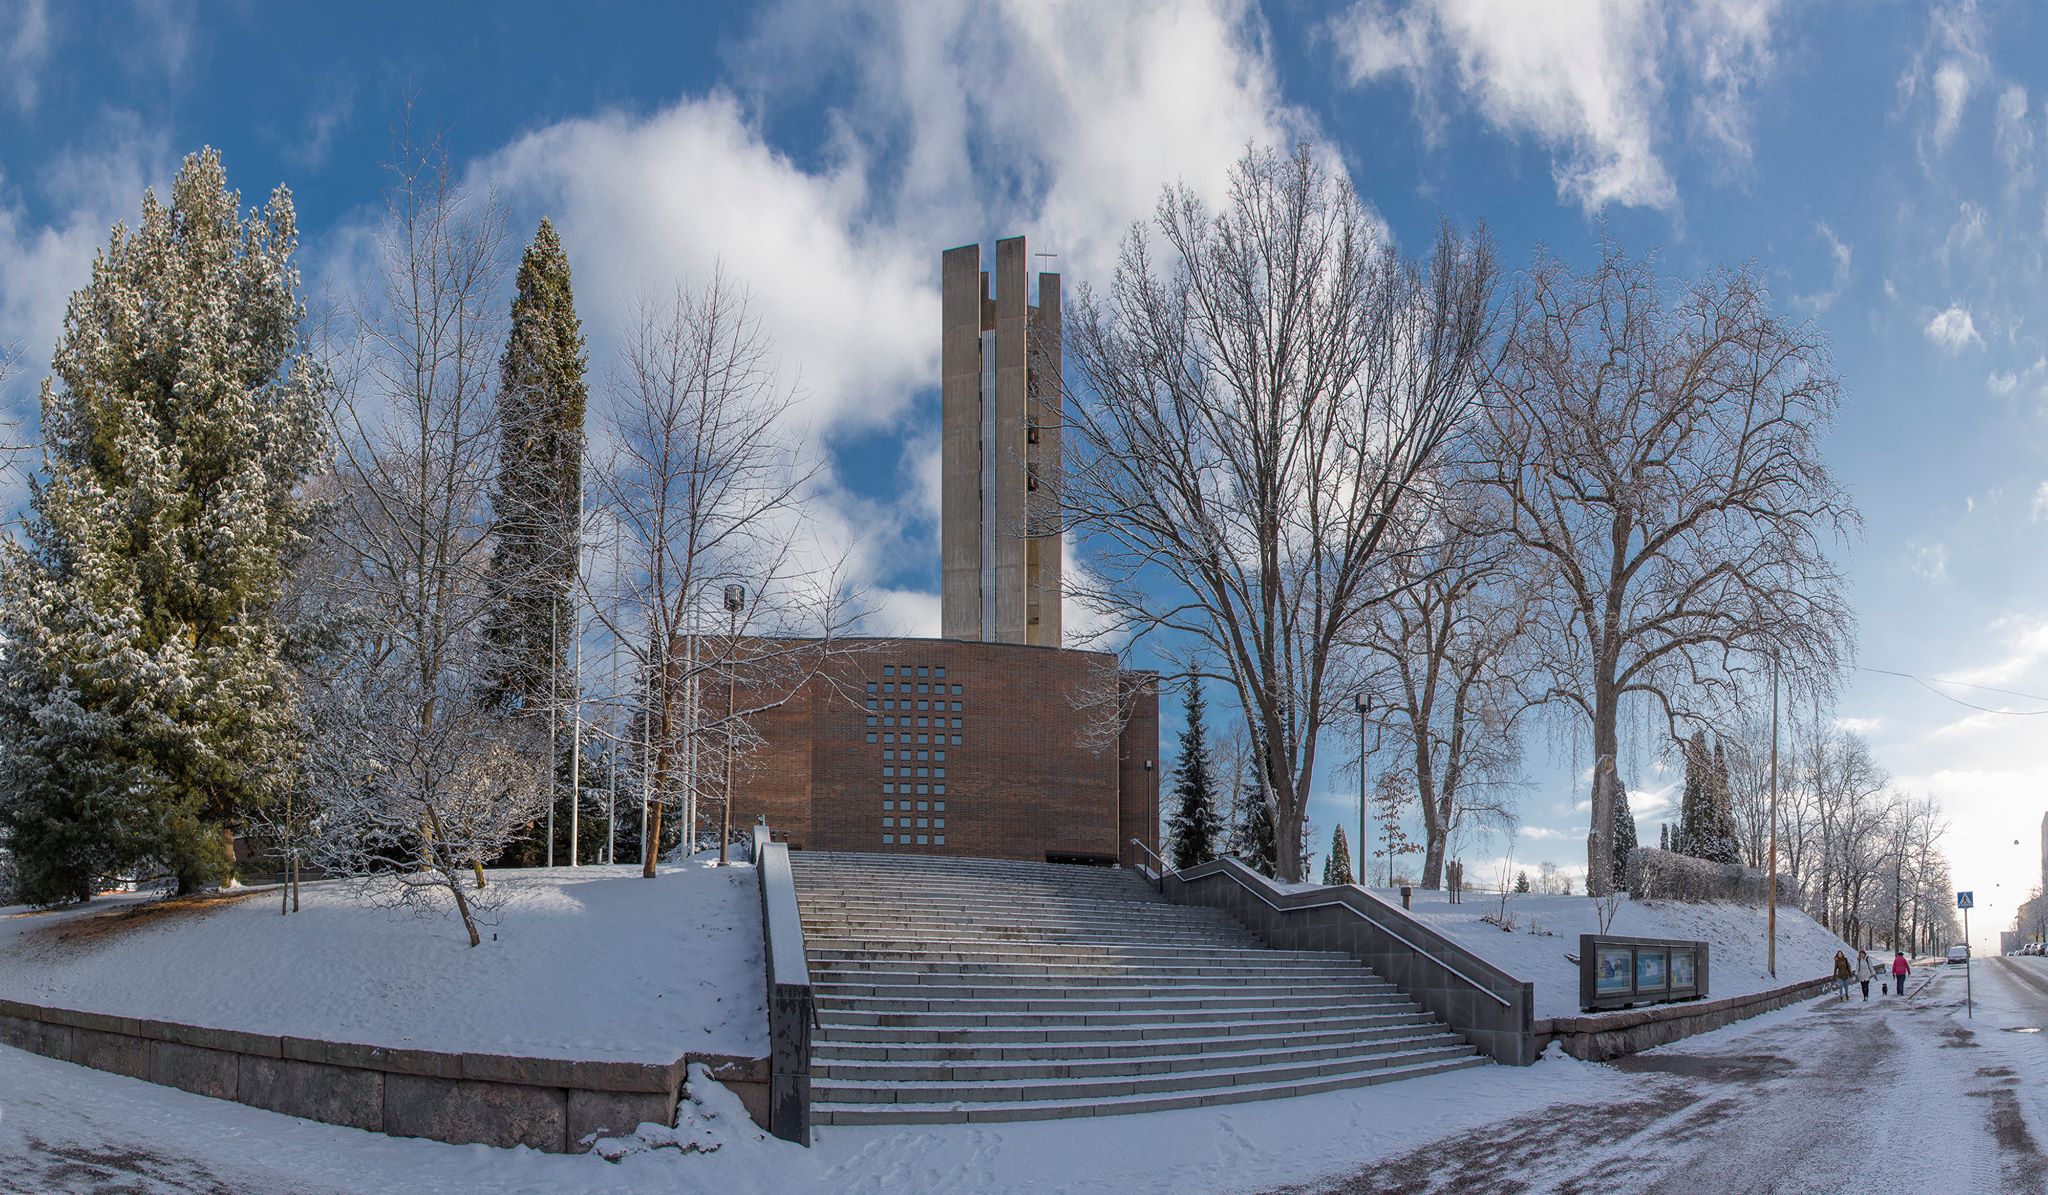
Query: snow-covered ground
x=70 y=1122
x=1818 y=1097
x=1547 y=928
x=592 y=963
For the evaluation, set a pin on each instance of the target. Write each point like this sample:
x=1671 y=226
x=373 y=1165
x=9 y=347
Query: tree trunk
x=1435 y=817
x=1606 y=786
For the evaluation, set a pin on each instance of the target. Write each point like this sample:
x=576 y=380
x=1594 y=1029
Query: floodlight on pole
x=1364 y=704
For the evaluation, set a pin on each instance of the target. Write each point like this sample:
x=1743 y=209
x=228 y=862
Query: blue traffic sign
x=1965 y=900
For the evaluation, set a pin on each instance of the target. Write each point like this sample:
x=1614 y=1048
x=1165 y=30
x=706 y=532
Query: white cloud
x=1954 y=48
x=1587 y=78
x=2014 y=138
x=1858 y=725
x=1060 y=122
x=2039 y=510
x=24 y=48
x=91 y=187
x=2026 y=648
x=1954 y=330
x=1951 y=92
x=1840 y=254
x=1930 y=563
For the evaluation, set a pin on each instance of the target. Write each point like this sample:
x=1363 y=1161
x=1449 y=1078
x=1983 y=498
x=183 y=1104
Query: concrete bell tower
x=999 y=542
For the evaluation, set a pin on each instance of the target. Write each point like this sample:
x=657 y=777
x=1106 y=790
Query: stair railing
x=1159 y=875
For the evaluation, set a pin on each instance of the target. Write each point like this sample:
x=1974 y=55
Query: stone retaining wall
x=490 y=1099
x=1598 y=1037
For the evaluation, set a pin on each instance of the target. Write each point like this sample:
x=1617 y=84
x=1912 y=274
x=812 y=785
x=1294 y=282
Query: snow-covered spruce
x=145 y=706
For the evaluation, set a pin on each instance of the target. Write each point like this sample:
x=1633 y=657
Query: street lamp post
x=1364 y=703
x=735 y=601
x=1771 y=872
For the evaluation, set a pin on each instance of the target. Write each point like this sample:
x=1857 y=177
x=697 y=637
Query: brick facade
x=955 y=747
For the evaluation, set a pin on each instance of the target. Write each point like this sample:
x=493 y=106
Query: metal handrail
x=1140 y=844
x=1376 y=923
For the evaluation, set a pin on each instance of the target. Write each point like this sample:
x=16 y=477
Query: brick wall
x=1019 y=744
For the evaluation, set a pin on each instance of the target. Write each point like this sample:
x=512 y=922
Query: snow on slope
x=1547 y=928
x=594 y=963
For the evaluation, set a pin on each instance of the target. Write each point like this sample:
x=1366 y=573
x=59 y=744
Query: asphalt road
x=1829 y=1097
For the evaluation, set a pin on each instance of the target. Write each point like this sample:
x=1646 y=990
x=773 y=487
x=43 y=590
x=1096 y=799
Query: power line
x=1982 y=709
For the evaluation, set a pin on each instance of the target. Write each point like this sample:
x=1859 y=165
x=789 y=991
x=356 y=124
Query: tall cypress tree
x=1624 y=835
x=145 y=705
x=1695 y=804
x=1337 y=868
x=537 y=501
x=1195 y=823
x=1722 y=845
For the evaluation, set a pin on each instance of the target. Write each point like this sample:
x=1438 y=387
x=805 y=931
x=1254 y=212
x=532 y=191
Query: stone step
x=1086 y=1034
x=1331 y=988
x=1085 y=1000
x=840 y=862
x=961 y=990
x=899 y=914
x=996 y=916
x=868 y=971
x=1034 y=1069
x=836 y=1113
x=1183 y=1039
x=1108 y=930
x=1115 y=1086
x=845 y=1012
x=951 y=951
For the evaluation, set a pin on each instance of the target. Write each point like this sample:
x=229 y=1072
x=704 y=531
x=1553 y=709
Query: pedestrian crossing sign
x=1965 y=900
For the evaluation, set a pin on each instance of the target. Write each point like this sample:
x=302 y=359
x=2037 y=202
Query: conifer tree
x=1722 y=844
x=1253 y=841
x=1521 y=883
x=1624 y=834
x=1695 y=805
x=145 y=706
x=1337 y=868
x=1663 y=836
x=1195 y=823
x=536 y=502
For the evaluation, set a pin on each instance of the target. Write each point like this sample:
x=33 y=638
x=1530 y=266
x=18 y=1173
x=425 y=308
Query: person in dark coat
x=1842 y=973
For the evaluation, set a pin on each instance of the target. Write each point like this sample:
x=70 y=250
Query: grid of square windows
x=912 y=685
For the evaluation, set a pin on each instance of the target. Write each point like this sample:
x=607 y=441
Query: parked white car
x=1958 y=954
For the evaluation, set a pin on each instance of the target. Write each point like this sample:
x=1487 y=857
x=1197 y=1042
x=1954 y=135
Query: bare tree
x=1255 y=416
x=418 y=780
x=1449 y=638
x=704 y=485
x=1664 y=460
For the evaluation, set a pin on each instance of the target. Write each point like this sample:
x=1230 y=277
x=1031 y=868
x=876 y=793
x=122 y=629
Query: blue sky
x=1885 y=167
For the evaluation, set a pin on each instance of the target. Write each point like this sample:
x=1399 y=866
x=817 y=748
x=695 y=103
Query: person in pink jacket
x=1899 y=969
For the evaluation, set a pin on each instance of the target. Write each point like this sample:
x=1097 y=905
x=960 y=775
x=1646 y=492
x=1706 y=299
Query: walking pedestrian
x=1842 y=973
x=1864 y=972
x=1899 y=968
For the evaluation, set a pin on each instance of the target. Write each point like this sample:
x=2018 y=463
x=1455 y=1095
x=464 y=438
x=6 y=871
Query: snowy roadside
x=55 y=1114
x=1816 y=1090
x=591 y=963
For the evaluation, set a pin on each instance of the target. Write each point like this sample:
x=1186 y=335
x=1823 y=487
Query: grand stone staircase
x=976 y=990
